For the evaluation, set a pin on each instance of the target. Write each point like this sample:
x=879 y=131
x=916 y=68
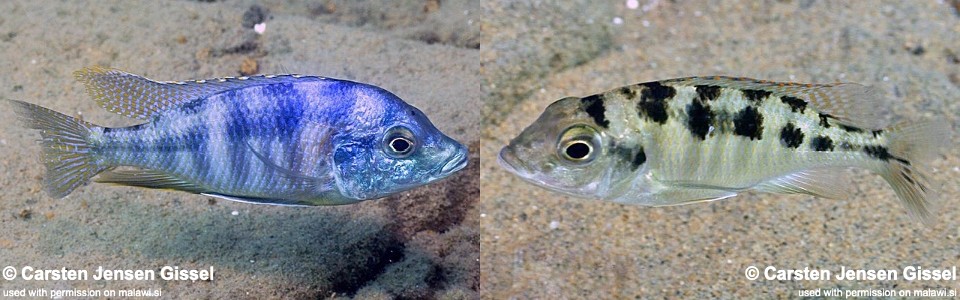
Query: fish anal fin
x=853 y=104
x=148 y=179
x=824 y=183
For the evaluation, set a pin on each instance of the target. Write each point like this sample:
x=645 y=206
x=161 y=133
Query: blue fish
x=284 y=139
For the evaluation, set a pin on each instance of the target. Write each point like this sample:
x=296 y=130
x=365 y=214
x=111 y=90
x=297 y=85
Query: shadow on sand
x=323 y=250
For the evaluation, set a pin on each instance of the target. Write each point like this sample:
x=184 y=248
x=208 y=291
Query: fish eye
x=578 y=150
x=578 y=145
x=399 y=142
x=400 y=145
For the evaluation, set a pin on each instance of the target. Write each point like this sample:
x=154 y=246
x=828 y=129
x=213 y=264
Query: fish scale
x=283 y=140
x=679 y=147
x=698 y=139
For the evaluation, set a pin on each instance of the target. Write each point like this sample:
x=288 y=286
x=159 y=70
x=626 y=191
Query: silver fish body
x=706 y=138
x=290 y=140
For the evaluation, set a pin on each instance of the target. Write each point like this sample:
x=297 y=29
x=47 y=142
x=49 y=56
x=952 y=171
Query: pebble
x=249 y=67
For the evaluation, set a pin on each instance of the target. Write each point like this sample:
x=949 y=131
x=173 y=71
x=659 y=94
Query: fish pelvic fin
x=910 y=146
x=67 y=152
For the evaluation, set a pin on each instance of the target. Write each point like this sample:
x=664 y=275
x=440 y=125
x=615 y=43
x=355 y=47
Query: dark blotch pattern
x=628 y=92
x=593 y=106
x=749 y=123
x=638 y=159
x=699 y=119
x=821 y=143
x=791 y=136
x=877 y=133
x=796 y=104
x=824 y=120
x=881 y=153
x=907 y=178
x=635 y=157
x=708 y=92
x=653 y=101
x=657 y=92
x=878 y=152
x=656 y=111
x=756 y=95
x=849 y=128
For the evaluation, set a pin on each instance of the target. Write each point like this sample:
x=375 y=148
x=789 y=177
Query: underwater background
x=543 y=245
x=419 y=244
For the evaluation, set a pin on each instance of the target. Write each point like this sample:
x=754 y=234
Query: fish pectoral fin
x=148 y=179
x=824 y=183
x=135 y=96
x=302 y=179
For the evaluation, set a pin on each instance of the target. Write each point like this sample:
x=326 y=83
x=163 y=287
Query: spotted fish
x=285 y=139
x=707 y=138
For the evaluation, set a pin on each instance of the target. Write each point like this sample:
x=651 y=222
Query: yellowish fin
x=65 y=145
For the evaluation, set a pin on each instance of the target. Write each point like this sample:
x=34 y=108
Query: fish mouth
x=509 y=160
x=455 y=163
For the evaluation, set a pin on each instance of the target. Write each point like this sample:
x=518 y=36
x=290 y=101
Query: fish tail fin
x=65 y=144
x=911 y=145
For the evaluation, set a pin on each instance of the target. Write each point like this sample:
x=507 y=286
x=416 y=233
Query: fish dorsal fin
x=824 y=183
x=148 y=179
x=853 y=104
x=135 y=96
